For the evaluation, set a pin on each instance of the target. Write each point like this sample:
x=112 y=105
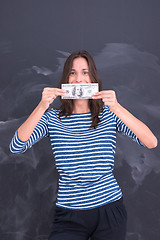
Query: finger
x=55 y=91
x=60 y=93
x=97 y=93
x=52 y=90
x=107 y=91
x=96 y=96
x=107 y=101
x=48 y=90
x=103 y=93
x=108 y=94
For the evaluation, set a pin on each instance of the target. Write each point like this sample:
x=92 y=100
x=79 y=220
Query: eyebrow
x=82 y=69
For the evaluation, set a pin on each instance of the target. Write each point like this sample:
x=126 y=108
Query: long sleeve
x=123 y=129
x=40 y=131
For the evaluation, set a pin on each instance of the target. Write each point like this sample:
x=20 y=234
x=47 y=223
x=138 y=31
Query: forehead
x=80 y=63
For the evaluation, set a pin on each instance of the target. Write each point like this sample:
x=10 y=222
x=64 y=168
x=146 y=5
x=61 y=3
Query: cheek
x=89 y=80
x=69 y=80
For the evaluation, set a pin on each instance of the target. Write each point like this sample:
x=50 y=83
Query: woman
x=83 y=139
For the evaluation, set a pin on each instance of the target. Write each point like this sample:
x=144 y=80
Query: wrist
x=116 y=108
x=42 y=107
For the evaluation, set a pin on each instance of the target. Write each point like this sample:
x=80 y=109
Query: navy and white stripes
x=84 y=157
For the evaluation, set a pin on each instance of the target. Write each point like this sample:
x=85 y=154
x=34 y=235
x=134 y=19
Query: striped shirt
x=84 y=156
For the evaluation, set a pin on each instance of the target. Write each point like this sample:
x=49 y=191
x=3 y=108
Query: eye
x=85 y=73
x=72 y=73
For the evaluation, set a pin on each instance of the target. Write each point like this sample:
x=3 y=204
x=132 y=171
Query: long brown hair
x=95 y=105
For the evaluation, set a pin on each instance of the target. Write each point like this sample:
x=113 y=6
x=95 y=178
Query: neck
x=80 y=106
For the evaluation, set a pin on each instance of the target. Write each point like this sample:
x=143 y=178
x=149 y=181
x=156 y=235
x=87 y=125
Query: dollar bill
x=79 y=91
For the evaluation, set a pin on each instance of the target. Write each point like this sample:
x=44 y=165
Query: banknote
x=79 y=91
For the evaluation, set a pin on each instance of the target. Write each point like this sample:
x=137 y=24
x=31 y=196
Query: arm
x=135 y=125
x=35 y=127
x=48 y=96
x=26 y=129
x=40 y=131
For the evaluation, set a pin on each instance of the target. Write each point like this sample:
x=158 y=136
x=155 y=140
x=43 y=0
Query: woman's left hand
x=108 y=97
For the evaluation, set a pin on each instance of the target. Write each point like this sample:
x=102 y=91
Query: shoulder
x=106 y=109
x=51 y=113
x=107 y=112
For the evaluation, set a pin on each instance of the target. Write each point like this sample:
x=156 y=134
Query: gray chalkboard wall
x=36 y=37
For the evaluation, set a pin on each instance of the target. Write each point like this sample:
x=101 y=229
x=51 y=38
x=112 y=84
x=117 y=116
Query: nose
x=78 y=78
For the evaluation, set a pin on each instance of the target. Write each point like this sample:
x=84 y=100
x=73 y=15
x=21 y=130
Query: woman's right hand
x=48 y=96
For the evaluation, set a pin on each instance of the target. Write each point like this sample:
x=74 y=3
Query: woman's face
x=80 y=71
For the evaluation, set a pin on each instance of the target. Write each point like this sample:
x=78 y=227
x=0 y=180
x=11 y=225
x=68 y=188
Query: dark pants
x=107 y=222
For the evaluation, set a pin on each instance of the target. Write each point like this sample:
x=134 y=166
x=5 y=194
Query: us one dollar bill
x=79 y=91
